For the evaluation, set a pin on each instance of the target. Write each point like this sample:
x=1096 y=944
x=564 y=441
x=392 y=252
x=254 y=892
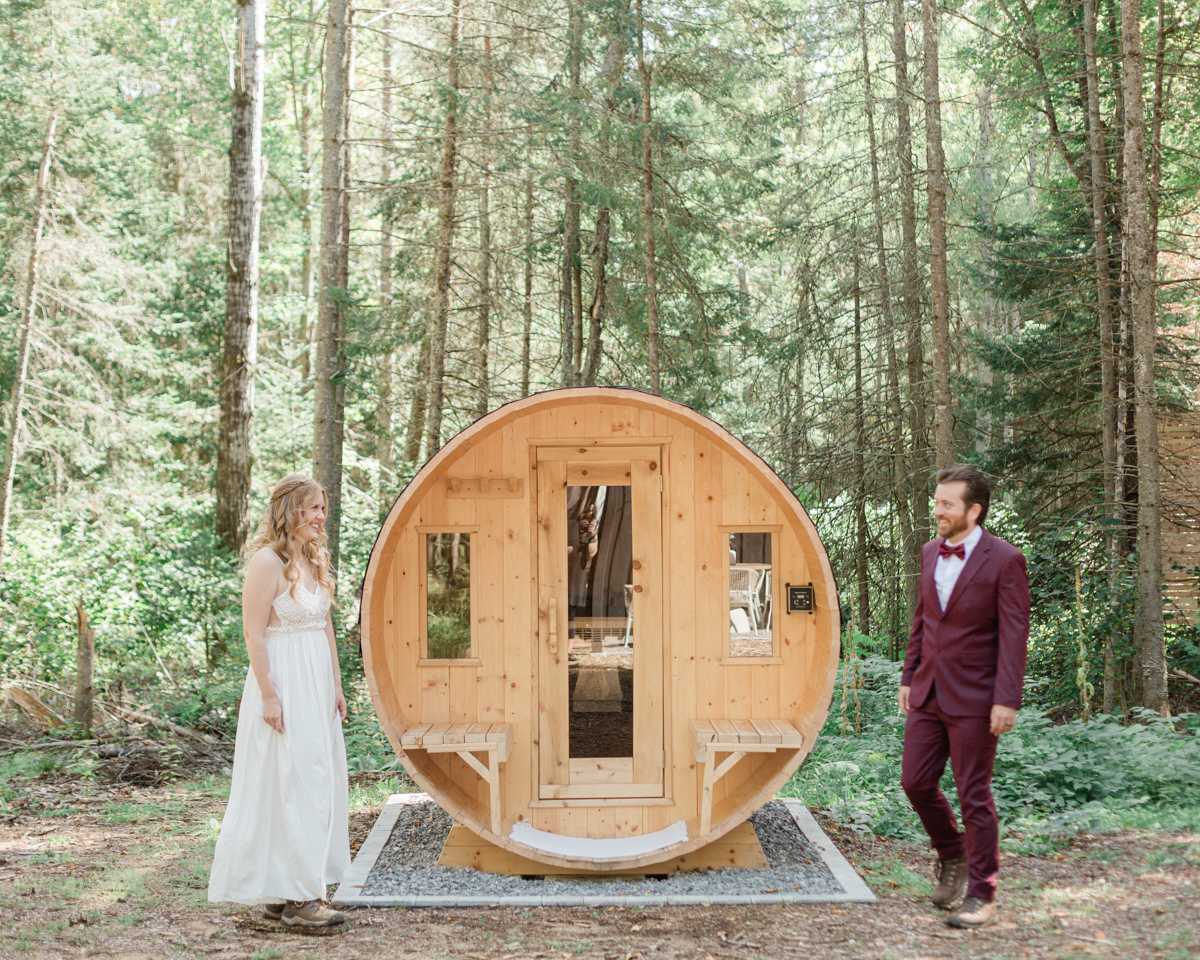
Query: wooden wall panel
x=735 y=492
x=712 y=609
x=403 y=586
x=625 y=421
x=487 y=560
x=681 y=620
x=519 y=625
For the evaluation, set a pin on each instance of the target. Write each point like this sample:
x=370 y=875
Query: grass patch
x=119 y=883
x=139 y=811
x=366 y=795
x=892 y=877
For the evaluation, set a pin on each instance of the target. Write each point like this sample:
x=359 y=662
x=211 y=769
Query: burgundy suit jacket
x=972 y=653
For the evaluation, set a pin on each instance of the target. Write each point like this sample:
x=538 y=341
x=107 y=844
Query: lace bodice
x=306 y=612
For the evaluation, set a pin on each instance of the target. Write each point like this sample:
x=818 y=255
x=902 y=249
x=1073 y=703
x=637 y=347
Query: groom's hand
x=902 y=700
x=1003 y=719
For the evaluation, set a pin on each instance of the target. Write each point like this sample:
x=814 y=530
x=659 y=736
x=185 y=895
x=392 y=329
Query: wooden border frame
x=472 y=659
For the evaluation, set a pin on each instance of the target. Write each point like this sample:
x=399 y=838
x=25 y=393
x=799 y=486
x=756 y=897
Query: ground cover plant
x=1052 y=780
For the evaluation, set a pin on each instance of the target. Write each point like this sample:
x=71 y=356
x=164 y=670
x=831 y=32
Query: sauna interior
x=598 y=629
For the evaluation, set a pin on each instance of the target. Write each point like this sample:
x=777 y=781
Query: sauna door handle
x=553 y=615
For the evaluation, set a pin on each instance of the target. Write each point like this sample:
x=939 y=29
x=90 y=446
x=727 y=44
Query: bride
x=285 y=834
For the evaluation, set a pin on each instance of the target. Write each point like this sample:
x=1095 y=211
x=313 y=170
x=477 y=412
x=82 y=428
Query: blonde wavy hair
x=278 y=531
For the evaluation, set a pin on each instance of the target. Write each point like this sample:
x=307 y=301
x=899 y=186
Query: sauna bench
x=466 y=740
x=735 y=738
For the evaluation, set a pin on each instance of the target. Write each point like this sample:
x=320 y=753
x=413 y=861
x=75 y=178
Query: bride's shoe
x=311 y=913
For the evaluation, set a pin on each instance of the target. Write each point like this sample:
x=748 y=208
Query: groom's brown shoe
x=951 y=882
x=973 y=913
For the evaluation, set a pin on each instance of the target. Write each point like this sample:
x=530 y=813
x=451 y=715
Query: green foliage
x=367 y=747
x=1049 y=780
x=448 y=597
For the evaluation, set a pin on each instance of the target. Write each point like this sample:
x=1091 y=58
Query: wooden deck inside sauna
x=503 y=484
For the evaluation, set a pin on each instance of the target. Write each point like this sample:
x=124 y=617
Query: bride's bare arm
x=263 y=574
x=340 y=702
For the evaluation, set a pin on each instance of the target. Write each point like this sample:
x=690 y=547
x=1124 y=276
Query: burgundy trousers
x=931 y=736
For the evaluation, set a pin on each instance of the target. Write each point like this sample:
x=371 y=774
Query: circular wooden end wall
x=721 y=664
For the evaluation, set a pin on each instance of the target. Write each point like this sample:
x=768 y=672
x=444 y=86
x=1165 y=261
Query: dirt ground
x=89 y=870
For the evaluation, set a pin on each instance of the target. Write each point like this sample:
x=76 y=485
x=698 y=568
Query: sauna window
x=448 y=595
x=750 y=595
x=602 y=633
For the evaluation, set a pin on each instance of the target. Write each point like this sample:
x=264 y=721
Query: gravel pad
x=407 y=868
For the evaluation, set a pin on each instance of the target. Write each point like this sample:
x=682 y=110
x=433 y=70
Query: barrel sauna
x=598 y=630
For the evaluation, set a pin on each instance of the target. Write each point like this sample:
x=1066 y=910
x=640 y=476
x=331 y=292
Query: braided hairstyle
x=278 y=531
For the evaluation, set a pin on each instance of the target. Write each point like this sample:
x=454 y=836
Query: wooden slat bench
x=467 y=739
x=735 y=738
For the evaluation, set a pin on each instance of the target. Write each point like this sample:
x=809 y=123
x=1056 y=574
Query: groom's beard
x=955 y=527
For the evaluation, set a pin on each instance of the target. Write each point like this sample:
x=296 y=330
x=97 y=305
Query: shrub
x=1049 y=778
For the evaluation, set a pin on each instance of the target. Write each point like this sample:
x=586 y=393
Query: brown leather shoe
x=311 y=913
x=951 y=882
x=973 y=913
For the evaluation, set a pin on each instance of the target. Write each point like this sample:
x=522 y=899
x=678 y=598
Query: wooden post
x=85 y=661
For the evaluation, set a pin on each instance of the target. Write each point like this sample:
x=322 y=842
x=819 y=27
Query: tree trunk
x=611 y=71
x=1143 y=260
x=25 y=338
x=440 y=314
x=648 y=205
x=860 y=470
x=599 y=307
x=1101 y=258
x=483 y=332
x=327 y=427
x=895 y=407
x=572 y=334
x=416 y=410
x=527 y=311
x=939 y=294
x=85 y=661
x=241 y=277
x=383 y=409
x=987 y=303
x=333 y=526
x=302 y=112
x=918 y=440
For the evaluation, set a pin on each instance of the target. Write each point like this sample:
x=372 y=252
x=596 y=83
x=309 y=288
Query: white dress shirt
x=945 y=573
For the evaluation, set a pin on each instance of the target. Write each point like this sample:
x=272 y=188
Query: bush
x=1049 y=778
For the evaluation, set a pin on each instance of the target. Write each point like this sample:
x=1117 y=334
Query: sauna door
x=599 y=569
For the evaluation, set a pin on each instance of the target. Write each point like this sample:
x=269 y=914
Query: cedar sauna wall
x=711 y=484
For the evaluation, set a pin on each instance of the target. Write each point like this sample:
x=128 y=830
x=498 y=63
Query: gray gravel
x=407 y=866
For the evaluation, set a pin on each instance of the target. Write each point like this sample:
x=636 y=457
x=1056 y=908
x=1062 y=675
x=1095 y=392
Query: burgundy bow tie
x=958 y=550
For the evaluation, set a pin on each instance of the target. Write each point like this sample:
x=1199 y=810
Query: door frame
x=606 y=785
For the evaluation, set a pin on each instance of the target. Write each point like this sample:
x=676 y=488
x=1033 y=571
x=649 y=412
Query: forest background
x=870 y=238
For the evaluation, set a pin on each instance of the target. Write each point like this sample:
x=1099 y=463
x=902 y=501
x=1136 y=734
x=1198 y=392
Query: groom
x=961 y=688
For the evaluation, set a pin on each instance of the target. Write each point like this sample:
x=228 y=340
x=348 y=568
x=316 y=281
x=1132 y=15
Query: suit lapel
x=970 y=568
x=929 y=581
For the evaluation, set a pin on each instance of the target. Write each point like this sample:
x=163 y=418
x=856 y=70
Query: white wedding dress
x=285 y=834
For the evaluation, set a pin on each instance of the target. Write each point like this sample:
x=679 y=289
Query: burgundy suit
x=960 y=662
